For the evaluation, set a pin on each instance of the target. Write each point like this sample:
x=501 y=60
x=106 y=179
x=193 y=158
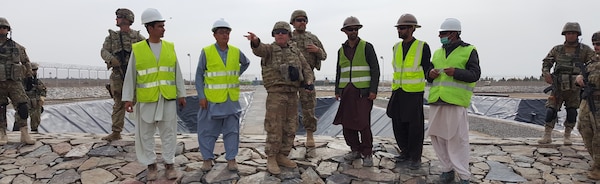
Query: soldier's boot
x=567 y=137
x=285 y=161
x=594 y=174
x=272 y=166
x=3 y=136
x=113 y=136
x=170 y=172
x=310 y=141
x=25 y=138
x=547 y=136
x=152 y=172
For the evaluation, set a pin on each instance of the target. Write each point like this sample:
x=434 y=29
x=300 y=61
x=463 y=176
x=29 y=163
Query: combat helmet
x=298 y=13
x=4 y=22
x=127 y=13
x=282 y=25
x=34 y=66
x=407 y=19
x=351 y=21
x=572 y=26
x=596 y=37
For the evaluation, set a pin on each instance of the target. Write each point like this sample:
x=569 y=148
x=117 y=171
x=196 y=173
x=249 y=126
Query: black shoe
x=414 y=165
x=447 y=177
x=401 y=158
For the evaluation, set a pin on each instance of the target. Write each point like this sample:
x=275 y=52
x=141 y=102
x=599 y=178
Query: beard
x=3 y=36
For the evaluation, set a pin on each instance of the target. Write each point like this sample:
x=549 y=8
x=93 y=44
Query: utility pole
x=190 y=57
x=382 y=69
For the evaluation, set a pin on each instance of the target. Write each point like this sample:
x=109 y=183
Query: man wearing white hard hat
x=456 y=69
x=154 y=80
x=218 y=86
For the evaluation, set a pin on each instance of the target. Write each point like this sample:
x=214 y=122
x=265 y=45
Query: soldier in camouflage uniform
x=313 y=51
x=36 y=99
x=284 y=70
x=115 y=52
x=14 y=67
x=566 y=59
x=589 y=122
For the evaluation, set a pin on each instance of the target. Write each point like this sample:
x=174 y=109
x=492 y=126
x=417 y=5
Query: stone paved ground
x=84 y=158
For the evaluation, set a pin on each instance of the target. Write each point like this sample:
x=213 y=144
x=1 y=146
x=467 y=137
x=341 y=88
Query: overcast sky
x=511 y=36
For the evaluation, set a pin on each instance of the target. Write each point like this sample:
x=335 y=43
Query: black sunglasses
x=4 y=27
x=403 y=27
x=300 y=20
x=280 y=31
x=596 y=43
x=350 y=29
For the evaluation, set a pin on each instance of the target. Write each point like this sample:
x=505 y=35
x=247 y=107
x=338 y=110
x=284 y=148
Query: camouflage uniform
x=115 y=52
x=308 y=99
x=14 y=67
x=36 y=101
x=589 y=124
x=563 y=56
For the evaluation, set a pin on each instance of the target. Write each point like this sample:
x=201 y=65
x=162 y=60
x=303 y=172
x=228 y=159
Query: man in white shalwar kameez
x=456 y=69
x=153 y=81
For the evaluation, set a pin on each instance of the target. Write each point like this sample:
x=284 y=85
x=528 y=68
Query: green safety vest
x=154 y=78
x=356 y=71
x=446 y=87
x=409 y=75
x=221 y=80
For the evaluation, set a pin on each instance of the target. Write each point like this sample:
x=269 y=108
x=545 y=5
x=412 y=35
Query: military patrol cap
x=128 y=14
x=298 y=13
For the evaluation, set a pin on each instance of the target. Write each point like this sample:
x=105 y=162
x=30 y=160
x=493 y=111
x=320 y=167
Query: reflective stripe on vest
x=445 y=87
x=356 y=71
x=222 y=79
x=155 y=78
x=408 y=75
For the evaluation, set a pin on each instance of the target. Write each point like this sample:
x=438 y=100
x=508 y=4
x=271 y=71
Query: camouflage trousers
x=35 y=114
x=14 y=91
x=569 y=98
x=118 y=114
x=281 y=122
x=308 y=101
x=589 y=127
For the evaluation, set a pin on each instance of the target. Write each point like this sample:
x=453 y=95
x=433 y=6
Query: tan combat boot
x=112 y=137
x=206 y=165
x=567 y=137
x=25 y=138
x=272 y=165
x=594 y=174
x=285 y=161
x=152 y=172
x=310 y=141
x=170 y=172
x=547 y=136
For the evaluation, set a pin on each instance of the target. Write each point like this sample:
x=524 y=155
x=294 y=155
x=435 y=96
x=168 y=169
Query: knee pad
x=550 y=114
x=572 y=115
x=23 y=111
x=2 y=113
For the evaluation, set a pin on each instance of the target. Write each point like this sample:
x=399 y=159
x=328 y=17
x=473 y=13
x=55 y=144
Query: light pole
x=382 y=69
x=190 y=57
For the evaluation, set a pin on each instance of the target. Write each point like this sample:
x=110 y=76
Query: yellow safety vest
x=356 y=71
x=154 y=78
x=221 y=80
x=408 y=73
x=446 y=87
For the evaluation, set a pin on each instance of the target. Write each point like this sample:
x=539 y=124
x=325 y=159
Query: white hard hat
x=151 y=15
x=450 y=24
x=220 y=23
